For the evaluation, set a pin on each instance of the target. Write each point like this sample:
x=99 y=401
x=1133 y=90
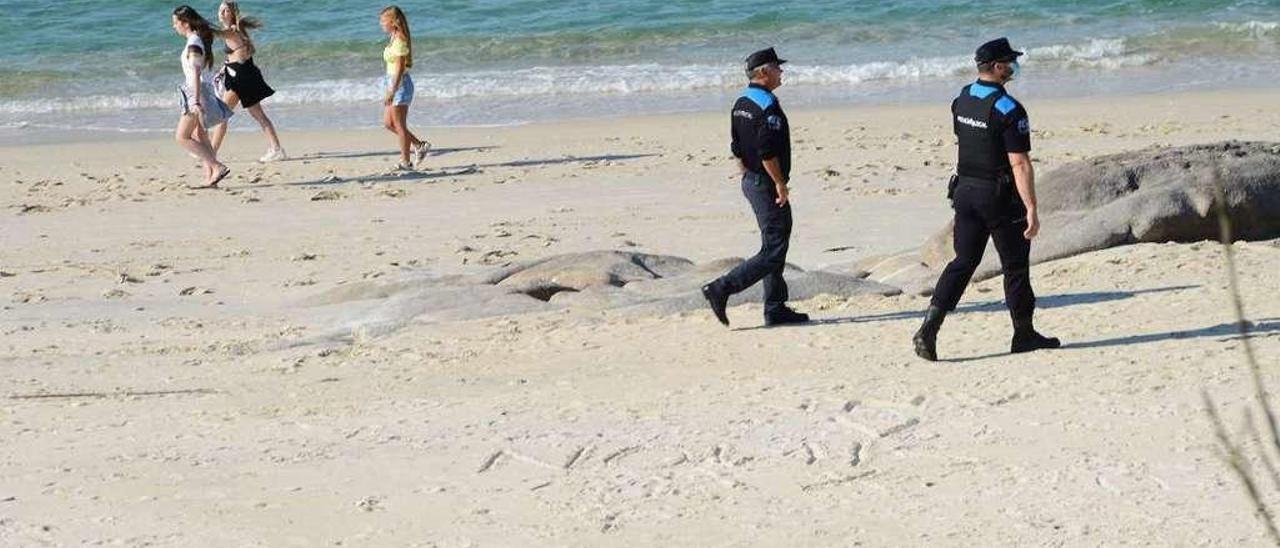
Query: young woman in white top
x=200 y=106
x=241 y=81
x=398 y=85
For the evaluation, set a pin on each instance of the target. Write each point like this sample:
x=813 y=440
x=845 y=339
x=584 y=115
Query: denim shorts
x=215 y=111
x=404 y=94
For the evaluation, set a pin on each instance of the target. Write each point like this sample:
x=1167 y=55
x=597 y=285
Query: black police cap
x=996 y=50
x=763 y=57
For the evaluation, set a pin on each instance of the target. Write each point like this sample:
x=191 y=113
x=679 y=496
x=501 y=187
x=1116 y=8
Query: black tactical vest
x=982 y=152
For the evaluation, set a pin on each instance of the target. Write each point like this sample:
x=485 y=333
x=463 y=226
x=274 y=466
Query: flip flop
x=213 y=185
x=221 y=175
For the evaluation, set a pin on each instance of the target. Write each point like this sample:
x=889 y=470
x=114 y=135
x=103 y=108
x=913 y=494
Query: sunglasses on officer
x=767 y=69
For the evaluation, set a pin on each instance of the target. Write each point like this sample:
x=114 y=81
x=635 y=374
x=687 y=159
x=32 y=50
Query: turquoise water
x=112 y=64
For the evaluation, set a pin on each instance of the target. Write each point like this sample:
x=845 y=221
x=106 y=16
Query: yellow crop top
x=397 y=48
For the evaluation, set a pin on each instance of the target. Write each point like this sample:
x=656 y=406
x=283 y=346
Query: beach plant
x=1266 y=447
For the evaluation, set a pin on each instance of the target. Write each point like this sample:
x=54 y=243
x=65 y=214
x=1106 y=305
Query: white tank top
x=187 y=69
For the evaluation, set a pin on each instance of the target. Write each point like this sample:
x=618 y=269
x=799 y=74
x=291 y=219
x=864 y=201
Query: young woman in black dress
x=241 y=81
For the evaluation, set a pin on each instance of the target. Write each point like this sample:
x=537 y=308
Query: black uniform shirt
x=760 y=131
x=1009 y=117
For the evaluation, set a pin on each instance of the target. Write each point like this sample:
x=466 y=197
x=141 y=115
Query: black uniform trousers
x=983 y=210
x=775 y=238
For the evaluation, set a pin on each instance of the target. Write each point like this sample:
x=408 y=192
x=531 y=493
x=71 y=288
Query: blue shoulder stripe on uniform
x=981 y=91
x=1006 y=105
x=760 y=97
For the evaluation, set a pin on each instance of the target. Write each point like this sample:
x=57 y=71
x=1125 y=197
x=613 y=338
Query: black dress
x=246 y=80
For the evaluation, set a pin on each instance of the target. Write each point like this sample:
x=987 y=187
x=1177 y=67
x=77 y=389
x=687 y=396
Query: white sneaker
x=421 y=152
x=273 y=155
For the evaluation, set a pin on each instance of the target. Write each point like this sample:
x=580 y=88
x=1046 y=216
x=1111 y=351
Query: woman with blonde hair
x=201 y=108
x=398 y=85
x=240 y=79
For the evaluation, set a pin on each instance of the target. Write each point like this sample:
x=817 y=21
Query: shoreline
x=24 y=134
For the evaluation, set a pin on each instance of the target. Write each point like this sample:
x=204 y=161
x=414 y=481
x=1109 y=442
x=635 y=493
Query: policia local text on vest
x=993 y=195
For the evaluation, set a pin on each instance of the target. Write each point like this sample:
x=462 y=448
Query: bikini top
x=244 y=43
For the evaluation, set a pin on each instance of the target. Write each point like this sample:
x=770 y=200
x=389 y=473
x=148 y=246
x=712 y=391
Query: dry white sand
x=577 y=429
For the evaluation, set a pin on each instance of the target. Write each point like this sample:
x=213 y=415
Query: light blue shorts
x=404 y=94
x=215 y=111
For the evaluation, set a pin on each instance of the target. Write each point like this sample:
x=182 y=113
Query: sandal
x=214 y=183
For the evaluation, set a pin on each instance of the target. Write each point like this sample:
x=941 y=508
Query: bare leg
x=188 y=137
x=219 y=132
x=194 y=139
x=268 y=128
x=407 y=138
x=198 y=134
x=398 y=113
x=389 y=119
x=217 y=171
x=232 y=100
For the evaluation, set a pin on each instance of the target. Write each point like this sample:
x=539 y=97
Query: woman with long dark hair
x=241 y=81
x=201 y=107
x=398 y=85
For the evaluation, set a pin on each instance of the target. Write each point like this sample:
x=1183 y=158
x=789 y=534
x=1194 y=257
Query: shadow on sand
x=1224 y=332
x=394 y=176
x=443 y=172
x=1042 y=302
x=387 y=154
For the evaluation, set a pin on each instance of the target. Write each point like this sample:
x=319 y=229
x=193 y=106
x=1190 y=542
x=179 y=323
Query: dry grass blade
x=1237 y=302
x=1232 y=452
x=1267 y=461
x=1240 y=466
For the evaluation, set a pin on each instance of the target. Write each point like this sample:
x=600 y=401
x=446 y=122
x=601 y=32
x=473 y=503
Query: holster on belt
x=1005 y=188
x=1003 y=185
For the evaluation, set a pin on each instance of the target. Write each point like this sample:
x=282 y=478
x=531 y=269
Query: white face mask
x=1014 y=69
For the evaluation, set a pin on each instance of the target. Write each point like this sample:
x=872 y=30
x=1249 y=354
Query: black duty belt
x=1004 y=179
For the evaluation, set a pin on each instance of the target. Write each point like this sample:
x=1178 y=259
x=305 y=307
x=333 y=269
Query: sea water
x=112 y=65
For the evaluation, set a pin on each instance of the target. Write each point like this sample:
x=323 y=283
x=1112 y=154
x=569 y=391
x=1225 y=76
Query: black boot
x=785 y=316
x=926 y=339
x=1026 y=339
x=718 y=301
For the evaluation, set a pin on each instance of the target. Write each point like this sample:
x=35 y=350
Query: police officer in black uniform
x=993 y=195
x=762 y=144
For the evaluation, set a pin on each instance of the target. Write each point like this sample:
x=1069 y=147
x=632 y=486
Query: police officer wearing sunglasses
x=994 y=197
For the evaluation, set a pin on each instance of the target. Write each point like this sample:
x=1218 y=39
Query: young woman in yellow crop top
x=398 y=86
